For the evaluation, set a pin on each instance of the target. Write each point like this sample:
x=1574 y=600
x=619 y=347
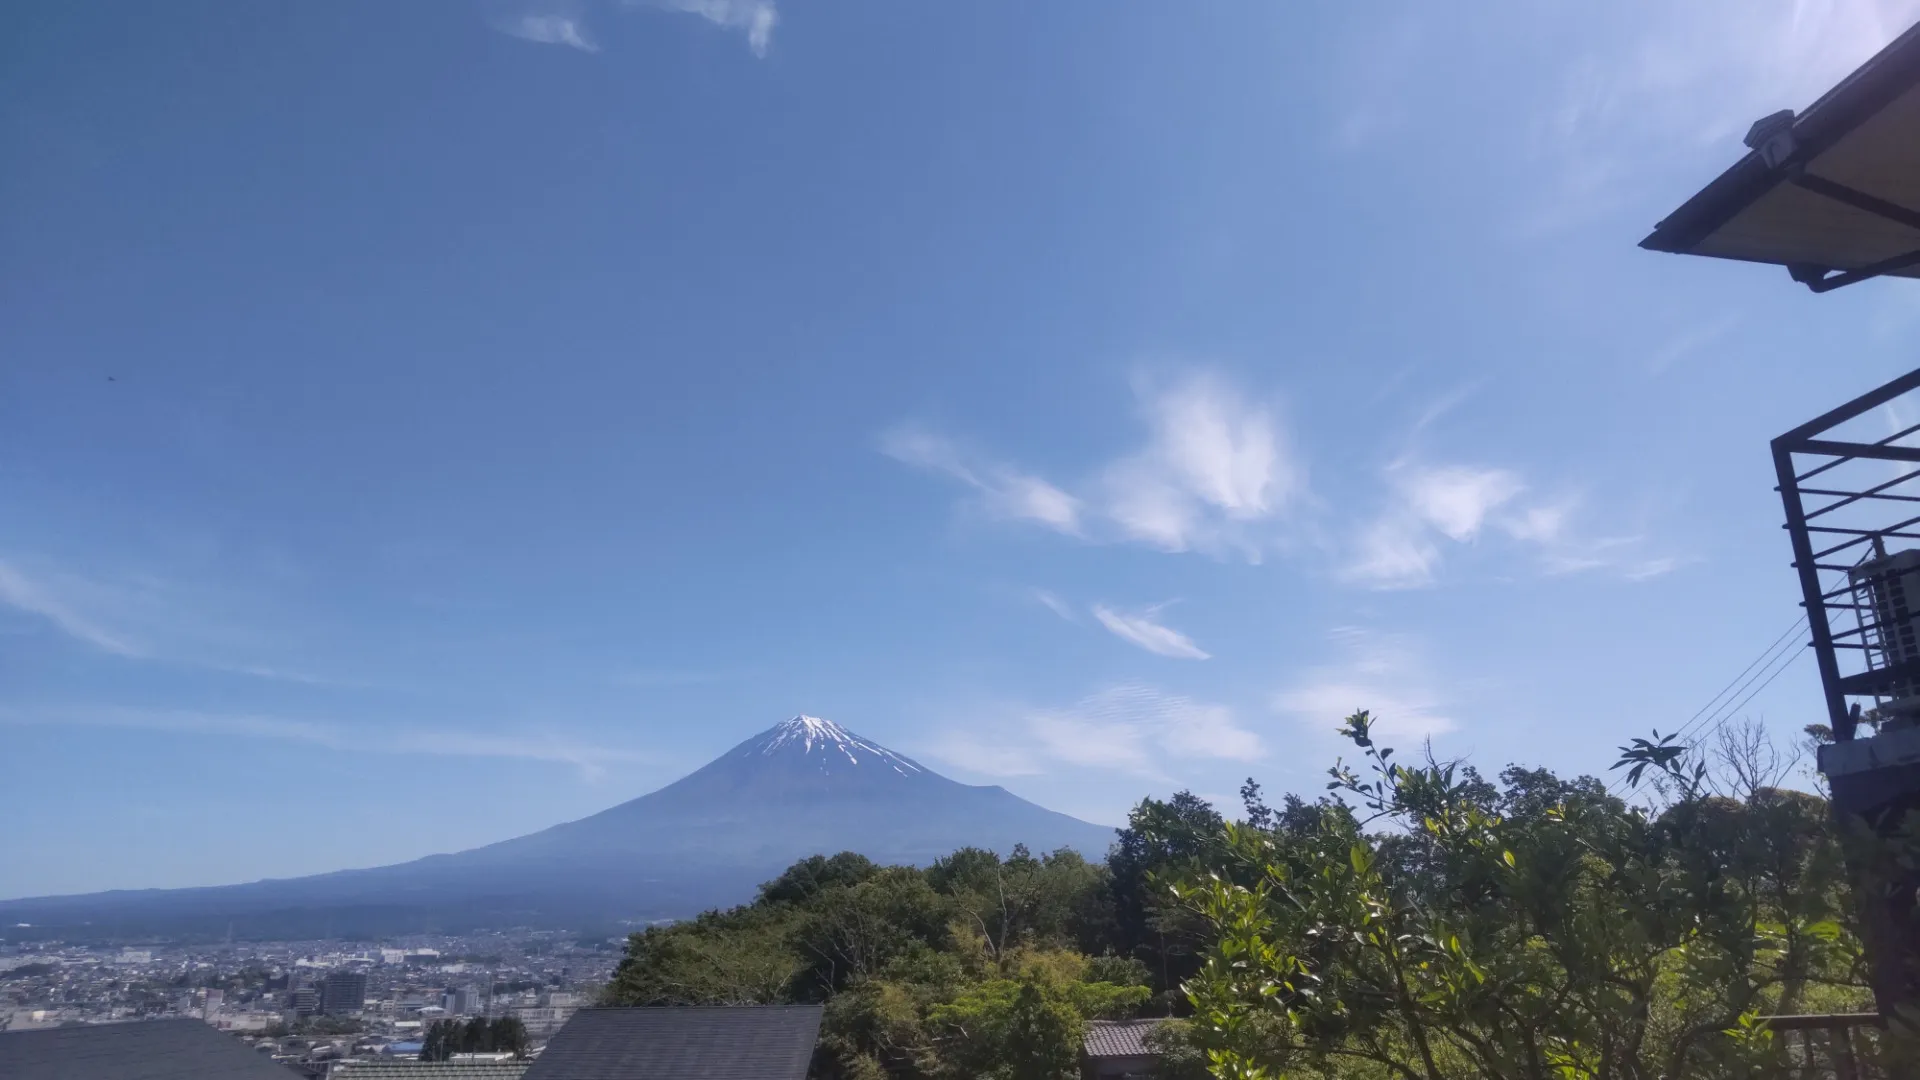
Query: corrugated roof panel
x=744 y=1042
x=1118 y=1038
x=137 y=1050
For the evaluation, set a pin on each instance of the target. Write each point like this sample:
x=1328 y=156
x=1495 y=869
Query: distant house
x=719 y=1042
x=1117 y=1050
x=138 y=1050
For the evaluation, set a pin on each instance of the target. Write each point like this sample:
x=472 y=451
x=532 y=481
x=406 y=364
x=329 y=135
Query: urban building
x=303 y=1001
x=463 y=1001
x=343 y=992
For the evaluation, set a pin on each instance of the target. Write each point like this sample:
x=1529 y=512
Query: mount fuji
x=805 y=786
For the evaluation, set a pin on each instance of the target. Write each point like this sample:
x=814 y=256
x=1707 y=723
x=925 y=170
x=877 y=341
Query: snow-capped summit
x=826 y=743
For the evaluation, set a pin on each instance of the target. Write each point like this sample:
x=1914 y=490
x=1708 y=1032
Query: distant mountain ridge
x=804 y=786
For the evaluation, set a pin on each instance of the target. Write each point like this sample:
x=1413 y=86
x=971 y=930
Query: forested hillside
x=1417 y=922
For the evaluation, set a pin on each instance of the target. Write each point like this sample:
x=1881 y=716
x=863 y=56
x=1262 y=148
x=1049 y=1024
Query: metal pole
x=1841 y=724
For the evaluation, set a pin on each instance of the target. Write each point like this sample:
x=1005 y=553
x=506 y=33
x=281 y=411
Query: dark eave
x=1857 y=102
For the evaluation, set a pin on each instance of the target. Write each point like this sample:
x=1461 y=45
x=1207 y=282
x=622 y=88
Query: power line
x=1710 y=718
x=1719 y=715
x=1722 y=716
x=1734 y=686
x=1791 y=657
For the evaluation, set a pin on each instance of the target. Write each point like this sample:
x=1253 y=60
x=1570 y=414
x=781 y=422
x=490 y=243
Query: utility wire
x=1710 y=719
x=1735 y=685
x=1791 y=657
x=1719 y=715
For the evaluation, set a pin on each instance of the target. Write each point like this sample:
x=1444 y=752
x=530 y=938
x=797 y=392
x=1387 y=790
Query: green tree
x=849 y=933
x=507 y=1034
x=814 y=874
x=738 y=957
x=441 y=1040
x=1026 y=1022
x=1043 y=1036
x=1162 y=839
x=1058 y=899
x=476 y=1037
x=1532 y=931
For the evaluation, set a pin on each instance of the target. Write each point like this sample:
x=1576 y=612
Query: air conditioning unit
x=1887 y=594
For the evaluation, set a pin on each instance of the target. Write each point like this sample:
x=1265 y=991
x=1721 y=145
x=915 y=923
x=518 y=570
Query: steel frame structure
x=1850 y=514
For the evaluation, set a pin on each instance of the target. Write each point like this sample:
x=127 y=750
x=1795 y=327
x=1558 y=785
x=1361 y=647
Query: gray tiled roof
x=1118 y=1038
x=733 y=1042
x=138 y=1050
x=415 y=1069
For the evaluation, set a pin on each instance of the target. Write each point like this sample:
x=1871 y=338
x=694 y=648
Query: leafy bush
x=1445 y=927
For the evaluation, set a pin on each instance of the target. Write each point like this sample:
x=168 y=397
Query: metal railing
x=1830 y=1046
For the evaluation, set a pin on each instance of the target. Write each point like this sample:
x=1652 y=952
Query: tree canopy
x=1435 y=926
x=1415 y=922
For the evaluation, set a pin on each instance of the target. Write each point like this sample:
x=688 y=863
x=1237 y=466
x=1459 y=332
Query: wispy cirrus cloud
x=1215 y=463
x=1432 y=510
x=754 y=18
x=1400 y=548
x=1215 y=473
x=1129 y=728
x=565 y=23
x=590 y=759
x=1456 y=500
x=1218 y=475
x=1052 y=602
x=1140 y=628
x=1386 y=674
x=137 y=617
x=56 y=598
x=1004 y=492
x=1559 y=548
x=549 y=28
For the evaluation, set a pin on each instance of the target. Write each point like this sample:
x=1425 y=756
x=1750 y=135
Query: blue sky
x=424 y=423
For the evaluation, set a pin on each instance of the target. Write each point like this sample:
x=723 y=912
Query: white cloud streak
x=1140 y=629
x=590 y=760
x=1456 y=500
x=547 y=29
x=1386 y=675
x=1405 y=546
x=1214 y=475
x=1214 y=463
x=1129 y=729
x=1003 y=492
x=754 y=18
x=1052 y=602
x=139 y=618
x=1398 y=550
x=1561 y=550
x=47 y=599
x=1394 y=552
x=1217 y=476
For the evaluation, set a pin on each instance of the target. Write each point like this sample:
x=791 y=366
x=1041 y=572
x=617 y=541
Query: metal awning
x=1832 y=194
